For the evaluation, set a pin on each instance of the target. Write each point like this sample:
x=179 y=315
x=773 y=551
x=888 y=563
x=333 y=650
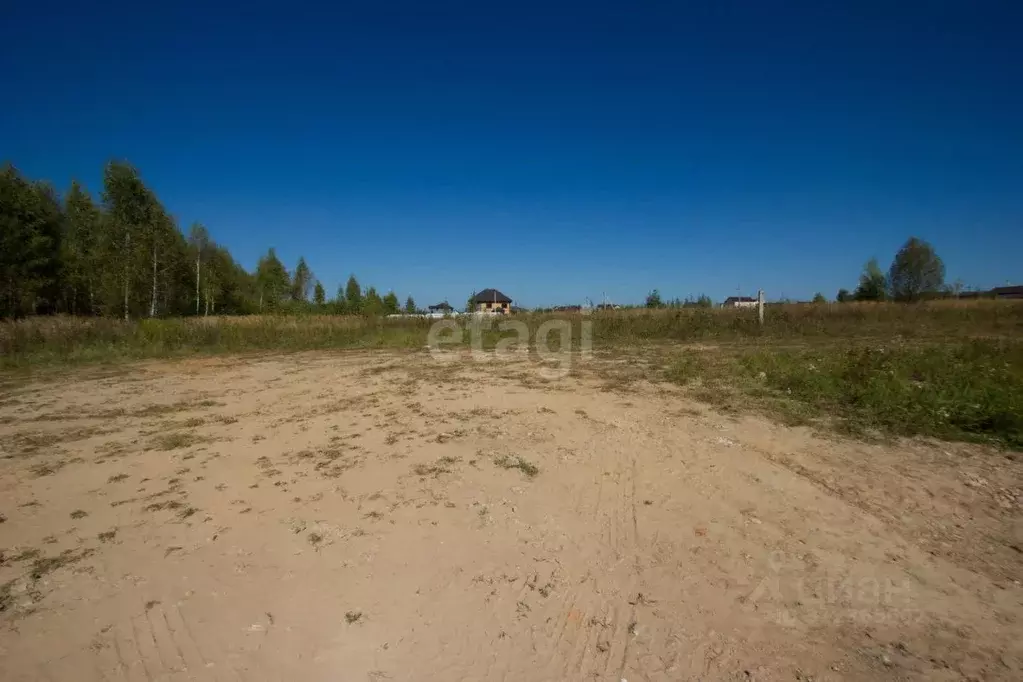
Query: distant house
x=491 y=301
x=739 y=302
x=443 y=307
x=1008 y=292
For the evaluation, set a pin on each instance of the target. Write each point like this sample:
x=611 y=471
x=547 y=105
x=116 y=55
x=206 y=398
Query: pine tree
x=410 y=305
x=319 y=295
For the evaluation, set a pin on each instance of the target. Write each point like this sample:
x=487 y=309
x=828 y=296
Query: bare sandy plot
x=384 y=517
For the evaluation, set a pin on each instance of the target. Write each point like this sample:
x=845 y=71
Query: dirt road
x=384 y=517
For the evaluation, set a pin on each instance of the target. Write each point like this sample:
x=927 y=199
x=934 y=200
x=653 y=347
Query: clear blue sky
x=553 y=151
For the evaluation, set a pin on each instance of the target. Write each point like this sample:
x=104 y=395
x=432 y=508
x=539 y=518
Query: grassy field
x=949 y=369
x=44 y=340
x=959 y=390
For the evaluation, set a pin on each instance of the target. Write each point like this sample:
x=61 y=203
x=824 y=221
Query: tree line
x=654 y=300
x=123 y=255
x=916 y=273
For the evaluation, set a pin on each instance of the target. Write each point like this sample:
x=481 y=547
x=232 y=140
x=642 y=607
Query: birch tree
x=199 y=246
x=129 y=205
x=273 y=281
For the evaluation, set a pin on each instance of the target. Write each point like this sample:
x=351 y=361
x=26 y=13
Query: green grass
x=965 y=390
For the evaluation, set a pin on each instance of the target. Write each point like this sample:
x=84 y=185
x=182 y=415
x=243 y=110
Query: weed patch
x=517 y=462
x=441 y=466
x=174 y=441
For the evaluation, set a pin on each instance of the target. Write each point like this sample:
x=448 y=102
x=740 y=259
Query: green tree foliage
x=136 y=227
x=916 y=271
x=653 y=299
x=227 y=287
x=702 y=301
x=353 y=296
x=165 y=253
x=390 y=303
x=273 y=282
x=83 y=230
x=410 y=305
x=31 y=224
x=819 y=298
x=301 y=281
x=319 y=294
x=372 y=304
x=843 y=296
x=339 y=299
x=124 y=255
x=873 y=285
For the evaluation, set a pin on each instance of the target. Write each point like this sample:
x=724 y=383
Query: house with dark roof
x=739 y=302
x=491 y=301
x=442 y=307
x=1008 y=292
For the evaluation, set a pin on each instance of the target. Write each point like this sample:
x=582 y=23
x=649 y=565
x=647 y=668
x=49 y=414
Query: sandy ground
x=374 y=516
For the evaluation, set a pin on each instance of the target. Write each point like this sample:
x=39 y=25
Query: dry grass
x=175 y=441
x=47 y=340
x=441 y=466
x=517 y=462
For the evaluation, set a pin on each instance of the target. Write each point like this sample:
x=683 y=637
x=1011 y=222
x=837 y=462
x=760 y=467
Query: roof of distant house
x=1012 y=292
x=444 y=305
x=740 y=299
x=490 y=296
